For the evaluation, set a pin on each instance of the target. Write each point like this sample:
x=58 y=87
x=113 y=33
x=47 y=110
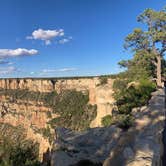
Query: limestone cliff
x=31 y=115
x=34 y=115
x=101 y=95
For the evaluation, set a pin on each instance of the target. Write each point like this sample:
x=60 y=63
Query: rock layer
x=32 y=115
x=101 y=95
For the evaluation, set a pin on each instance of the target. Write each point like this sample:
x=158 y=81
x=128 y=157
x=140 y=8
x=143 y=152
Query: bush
x=103 y=80
x=73 y=110
x=46 y=132
x=136 y=95
x=106 y=120
x=15 y=149
x=125 y=121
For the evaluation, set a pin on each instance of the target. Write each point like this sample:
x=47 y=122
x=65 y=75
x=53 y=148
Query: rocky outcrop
x=142 y=144
x=40 y=85
x=139 y=146
x=93 y=145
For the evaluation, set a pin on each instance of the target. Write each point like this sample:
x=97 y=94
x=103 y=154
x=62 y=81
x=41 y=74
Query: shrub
x=15 y=149
x=106 y=120
x=125 y=121
x=103 y=80
x=128 y=97
x=73 y=110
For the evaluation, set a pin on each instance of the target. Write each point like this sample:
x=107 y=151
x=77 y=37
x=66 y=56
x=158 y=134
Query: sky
x=58 y=38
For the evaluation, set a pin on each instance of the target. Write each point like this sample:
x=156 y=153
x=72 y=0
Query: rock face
x=93 y=145
x=33 y=114
x=142 y=144
x=101 y=95
x=139 y=146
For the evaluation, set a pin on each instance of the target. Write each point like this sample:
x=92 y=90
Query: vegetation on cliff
x=150 y=44
x=69 y=105
x=15 y=149
x=72 y=106
x=134 y=86
x=147 y=64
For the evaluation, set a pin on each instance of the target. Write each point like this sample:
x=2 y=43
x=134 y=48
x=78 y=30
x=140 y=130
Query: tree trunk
x=159 y=83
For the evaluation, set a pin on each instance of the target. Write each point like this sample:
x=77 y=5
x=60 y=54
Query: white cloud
x=7 y=70
x=62 y=41
x=65 y=40
x=3 y=62
x=46 y=35
x=32 y=72
x=47 y=42
x=6 y=53
x=10 y=63
x=45 y=71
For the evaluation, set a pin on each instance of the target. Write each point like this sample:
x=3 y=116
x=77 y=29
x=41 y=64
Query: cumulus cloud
x=46 y=35
x=7 y=53
x=7 y=70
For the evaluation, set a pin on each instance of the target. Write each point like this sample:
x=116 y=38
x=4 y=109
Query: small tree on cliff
x=152 y=41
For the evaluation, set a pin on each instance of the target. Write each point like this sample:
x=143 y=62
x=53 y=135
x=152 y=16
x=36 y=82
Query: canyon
x=33 y=114
x=24 y=102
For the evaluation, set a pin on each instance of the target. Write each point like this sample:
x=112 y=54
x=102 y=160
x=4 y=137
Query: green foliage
x=49 y=115
x=149 y=44
x=69 y=105
x=122 y=120
x=46 y=132
x=15 y=149
x=132 y=95
x=133 y=87
x=125 y=121
x=106 y=120
x=103 y=80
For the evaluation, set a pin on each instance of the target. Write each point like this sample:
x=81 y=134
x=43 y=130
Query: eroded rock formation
x=33 y=114
x=101 y=95
x=29 y=114
x=139 y=146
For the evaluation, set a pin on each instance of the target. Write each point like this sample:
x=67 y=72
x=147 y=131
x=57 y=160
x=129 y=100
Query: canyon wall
x=101 y=95
x=33 y=114
x=29 y=114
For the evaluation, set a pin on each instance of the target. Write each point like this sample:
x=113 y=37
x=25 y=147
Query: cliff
x=111 y=146
x=21 y=103
x=101 y=95
x=33 y=103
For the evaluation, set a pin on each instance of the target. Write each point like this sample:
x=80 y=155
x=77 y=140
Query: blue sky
x=55 y=38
